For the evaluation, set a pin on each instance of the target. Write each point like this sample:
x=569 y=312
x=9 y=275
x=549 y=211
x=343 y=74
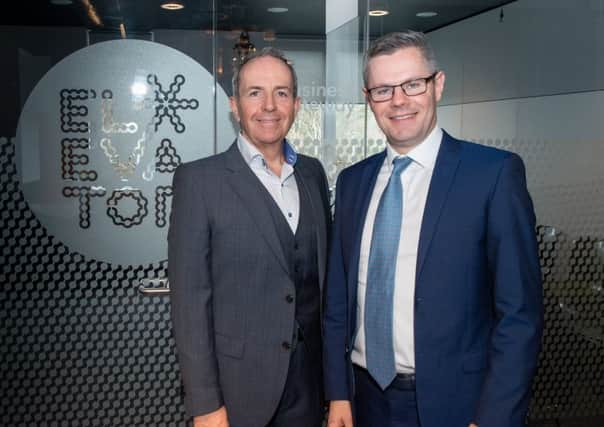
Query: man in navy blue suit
x=433 y=312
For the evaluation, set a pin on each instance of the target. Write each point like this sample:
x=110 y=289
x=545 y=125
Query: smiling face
x=405 y=120
x=265 y=106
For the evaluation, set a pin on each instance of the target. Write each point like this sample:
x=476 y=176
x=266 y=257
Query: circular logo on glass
x=99 y=139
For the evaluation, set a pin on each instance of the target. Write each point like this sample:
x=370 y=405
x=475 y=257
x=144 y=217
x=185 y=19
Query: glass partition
x=102 y=100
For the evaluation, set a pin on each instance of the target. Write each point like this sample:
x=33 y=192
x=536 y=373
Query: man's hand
x=218 y=418
x=340 y=414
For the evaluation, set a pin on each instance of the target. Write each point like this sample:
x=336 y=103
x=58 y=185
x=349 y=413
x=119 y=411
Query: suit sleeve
x=335 y=358
x=513 y=263
x=191 y=295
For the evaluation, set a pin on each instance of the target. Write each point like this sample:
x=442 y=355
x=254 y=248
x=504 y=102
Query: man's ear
x=234 y=107
x=439 y=85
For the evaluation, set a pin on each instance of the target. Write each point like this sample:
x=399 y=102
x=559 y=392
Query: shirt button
x=289 y=214
x=286 y=346
x=289 y=298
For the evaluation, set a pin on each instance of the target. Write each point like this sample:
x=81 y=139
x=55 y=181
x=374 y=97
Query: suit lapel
x=303 y=177
x=440 y=185
x=249 y=189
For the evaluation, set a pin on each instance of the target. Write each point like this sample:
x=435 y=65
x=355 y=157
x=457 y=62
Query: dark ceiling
x=304 y=18
x=403 y=13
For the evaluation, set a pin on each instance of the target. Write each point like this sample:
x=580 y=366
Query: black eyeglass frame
x=401 y=85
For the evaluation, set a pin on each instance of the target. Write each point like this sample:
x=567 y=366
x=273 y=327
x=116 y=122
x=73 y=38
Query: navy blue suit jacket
x=478 y=297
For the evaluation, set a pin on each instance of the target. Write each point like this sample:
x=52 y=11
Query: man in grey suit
x=246 y=254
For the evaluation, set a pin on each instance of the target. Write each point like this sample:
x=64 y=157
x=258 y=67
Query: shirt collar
x=251 y=154
x=423 y=154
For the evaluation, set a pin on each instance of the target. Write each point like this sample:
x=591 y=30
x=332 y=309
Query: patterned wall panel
x=79 y=345
x=570 y=213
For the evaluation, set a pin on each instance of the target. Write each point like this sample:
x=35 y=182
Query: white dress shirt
x=416 y=182
x=283 y=189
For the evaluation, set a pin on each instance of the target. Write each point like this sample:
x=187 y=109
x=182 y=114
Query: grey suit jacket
x=229 y=280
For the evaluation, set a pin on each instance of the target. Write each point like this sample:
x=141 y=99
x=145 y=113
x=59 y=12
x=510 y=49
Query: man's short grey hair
x=267 y=51
x=390 y=43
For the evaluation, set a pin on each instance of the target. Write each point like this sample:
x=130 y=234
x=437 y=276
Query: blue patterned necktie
x=379 y=348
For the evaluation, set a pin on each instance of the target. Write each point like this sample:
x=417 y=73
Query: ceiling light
x=61 y=2
x=172 y=5
x=379 y=8
x=378 y=12
x=277 y=9
x=428 y=14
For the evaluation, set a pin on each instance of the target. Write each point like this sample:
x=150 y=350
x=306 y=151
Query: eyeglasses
x=411 y=88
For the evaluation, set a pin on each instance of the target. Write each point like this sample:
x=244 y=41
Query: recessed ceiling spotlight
x=427 y=14
x=277 y=9
x=378 y=12
x=172 y=5
x=379 y=8
x=61 y=2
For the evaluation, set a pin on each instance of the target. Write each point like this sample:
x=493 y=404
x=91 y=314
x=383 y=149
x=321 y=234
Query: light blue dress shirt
x=283 y=189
